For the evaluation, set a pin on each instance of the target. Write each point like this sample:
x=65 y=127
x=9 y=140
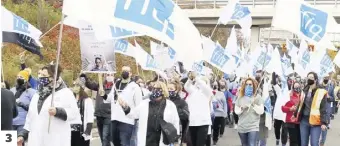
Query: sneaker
x=277 y=142
x=235 y=126
x=215 y=143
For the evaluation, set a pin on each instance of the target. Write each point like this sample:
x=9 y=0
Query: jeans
x=217 y=128
x=262 y=142
x=198 y=135
x=307 y=130
x=104 y=126
x=323 y=137
x=249 y=138
x=121 y=133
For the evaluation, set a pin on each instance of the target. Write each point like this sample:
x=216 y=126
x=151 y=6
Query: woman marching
x=42 y=116
x=82 y=126
x=155 y=114
x=249 y=107
x=289 y=108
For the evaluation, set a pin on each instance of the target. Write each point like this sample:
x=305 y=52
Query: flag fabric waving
x=214 y=54
x=234 y=11
x=304 y=20
x=122 y=46
x=160 y=19
x=116 y=32
x=18 y=31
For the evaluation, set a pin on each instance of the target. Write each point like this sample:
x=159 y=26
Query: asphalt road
x=231 y=138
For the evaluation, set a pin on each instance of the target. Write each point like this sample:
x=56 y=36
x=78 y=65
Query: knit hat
x=25 y=74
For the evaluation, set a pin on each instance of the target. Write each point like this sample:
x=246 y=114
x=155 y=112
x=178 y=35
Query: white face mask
x=109 y=79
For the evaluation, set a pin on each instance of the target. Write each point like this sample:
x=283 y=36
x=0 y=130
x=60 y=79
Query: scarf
x=45 y=91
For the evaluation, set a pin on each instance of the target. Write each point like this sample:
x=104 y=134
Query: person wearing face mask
x=312 y=111
x=199 y=102
x=220 y=113
x=327 y=85
x=139 y=81
x=249 y=107
x=152 y=113
x=47 y=125
x=182 y=108
x=102 y=110
x=229 y=98
x=289 y=108
x=82 y=126
x=23 y=94
x=123 y=127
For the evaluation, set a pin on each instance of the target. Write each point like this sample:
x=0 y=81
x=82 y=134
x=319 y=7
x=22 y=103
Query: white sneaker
x=235 y=126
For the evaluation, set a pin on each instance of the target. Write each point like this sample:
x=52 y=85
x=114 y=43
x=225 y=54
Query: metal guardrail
x=194 y=4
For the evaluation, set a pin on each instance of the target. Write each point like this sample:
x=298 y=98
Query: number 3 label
x=8 y=138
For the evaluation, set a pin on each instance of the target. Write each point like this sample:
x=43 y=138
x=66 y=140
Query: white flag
x=304 y=20
x=112 y=32
x=214 y=54
x=122 y=46
x=302 y=64
x=160 y=19
x=18 y=31
x=337 y=59
x=164 y=56
x=234 y=11
x=144 y=59
x=292 y=49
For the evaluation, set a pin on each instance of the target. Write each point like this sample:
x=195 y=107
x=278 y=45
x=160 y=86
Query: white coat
x=60 y=131
x=88 y=114
x=141 y=112
x=132 y=95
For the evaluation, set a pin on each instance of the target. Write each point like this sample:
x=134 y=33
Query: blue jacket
x=23 y=103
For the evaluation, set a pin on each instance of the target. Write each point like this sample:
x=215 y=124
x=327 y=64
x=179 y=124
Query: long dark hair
x=316 y=80
x=82 y=93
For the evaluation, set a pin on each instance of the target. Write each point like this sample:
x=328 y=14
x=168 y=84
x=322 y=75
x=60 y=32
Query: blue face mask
x=248 y=91
x=156 y=93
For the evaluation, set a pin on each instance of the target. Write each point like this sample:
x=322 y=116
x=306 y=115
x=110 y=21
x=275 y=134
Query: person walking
x=249 y=107
x=289 y=108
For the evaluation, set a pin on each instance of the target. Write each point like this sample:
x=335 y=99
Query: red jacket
x=294 y=100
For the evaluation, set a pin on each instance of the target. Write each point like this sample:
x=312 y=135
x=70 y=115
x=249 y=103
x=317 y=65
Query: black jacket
x=101 y=109
x=182 y=108
x=8 y=109
x=323 y=107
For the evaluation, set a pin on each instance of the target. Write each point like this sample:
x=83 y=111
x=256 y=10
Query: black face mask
x=20 y=82
x=310 y=82
x=125 y=75
x=298 y=90
x=325 y=81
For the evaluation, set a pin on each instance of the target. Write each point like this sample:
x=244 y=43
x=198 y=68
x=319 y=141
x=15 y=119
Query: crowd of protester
x=185 y=109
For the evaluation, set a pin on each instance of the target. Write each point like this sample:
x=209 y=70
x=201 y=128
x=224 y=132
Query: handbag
x=168 y=130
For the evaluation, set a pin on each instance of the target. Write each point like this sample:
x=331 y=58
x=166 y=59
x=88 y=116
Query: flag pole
x=46 y=33
x=264 y=60
x=2 y=72
x=56 y=66
x=213 y=30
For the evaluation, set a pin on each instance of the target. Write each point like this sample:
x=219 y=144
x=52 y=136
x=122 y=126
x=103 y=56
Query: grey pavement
x=230 y=137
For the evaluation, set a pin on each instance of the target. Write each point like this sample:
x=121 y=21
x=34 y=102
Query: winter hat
x=25 y=74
